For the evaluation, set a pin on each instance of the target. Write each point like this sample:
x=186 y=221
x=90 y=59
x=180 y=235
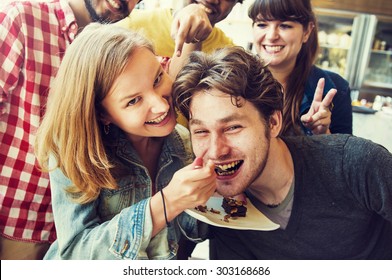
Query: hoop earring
x=106 y=128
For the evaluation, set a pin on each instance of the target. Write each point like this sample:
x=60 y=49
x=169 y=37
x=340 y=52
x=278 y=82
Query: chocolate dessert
x=234 y=208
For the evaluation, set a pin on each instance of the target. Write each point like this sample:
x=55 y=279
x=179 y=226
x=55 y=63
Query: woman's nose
x=272 y=33
x=159 y=103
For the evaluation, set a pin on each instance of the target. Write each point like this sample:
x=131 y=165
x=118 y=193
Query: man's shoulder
x=142 y=18
x=217 y=39
x=22 y=12
x=316 y=139
x=338 y=144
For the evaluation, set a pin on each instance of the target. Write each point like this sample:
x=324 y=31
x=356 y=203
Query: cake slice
x=233 y=207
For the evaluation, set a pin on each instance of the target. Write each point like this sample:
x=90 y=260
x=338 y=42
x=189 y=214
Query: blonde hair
x=71 y=130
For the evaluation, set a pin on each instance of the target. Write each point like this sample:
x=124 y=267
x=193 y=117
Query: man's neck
x=272 y=187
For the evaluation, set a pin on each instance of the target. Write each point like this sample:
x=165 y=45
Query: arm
x=318 y=118
x=83 y=234
x=342 y=115
x=368 y=168
x=188 y=188
x=177 y=62
x=190 y=25
x=11 y=55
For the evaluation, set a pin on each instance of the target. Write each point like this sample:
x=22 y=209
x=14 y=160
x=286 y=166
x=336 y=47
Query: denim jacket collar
x=173 y=146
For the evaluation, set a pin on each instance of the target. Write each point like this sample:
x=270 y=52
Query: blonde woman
x=115 y=154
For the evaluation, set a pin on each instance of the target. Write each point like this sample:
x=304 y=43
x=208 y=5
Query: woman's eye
x=285 y=25
x=261 y=24
x=158 y=79
x=134 y=101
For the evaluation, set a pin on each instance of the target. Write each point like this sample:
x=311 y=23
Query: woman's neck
x=282 y=74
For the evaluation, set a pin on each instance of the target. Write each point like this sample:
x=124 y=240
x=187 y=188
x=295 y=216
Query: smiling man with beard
x=330 y=194
x=34 y=37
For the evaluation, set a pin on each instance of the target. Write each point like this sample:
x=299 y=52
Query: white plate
x=254 y=219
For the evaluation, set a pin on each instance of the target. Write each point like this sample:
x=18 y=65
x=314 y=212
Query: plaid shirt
x=33 y=38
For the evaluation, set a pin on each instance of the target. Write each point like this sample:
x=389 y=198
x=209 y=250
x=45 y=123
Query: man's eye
x=199 y=131
x=233 y=128
x=158 y=79
x=134 y=101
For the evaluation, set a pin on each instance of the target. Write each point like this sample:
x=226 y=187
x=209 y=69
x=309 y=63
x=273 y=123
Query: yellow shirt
x=155 y=24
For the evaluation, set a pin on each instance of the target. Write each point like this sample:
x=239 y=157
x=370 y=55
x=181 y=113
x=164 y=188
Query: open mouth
x=273 y=49
x=115 y=5
x=118 y=6
x=229 y=168
x=159 y=119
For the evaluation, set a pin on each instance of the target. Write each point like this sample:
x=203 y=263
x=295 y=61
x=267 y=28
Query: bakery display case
x=358 y=46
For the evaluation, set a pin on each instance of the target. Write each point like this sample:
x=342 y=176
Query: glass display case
x=357 y=46
x=378 y=73
x=335 y=41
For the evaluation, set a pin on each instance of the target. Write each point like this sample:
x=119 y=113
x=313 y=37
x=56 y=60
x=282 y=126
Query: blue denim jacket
x=342 y=118
x=118 y=225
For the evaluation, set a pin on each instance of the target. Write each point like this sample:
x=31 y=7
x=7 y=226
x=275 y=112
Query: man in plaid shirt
x=33 y=39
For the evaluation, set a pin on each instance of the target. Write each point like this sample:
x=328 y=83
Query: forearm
x=162 y=209
x=83 y=231
x=178 y=62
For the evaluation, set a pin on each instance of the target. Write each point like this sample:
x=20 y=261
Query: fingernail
x=198 y=163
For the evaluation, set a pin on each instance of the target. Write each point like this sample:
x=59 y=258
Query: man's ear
x=275 y=124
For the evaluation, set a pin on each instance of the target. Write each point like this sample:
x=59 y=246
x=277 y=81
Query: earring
x=106 y=128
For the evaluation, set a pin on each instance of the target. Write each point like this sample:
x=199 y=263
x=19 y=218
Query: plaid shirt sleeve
x=33 y=39
x=11 y=55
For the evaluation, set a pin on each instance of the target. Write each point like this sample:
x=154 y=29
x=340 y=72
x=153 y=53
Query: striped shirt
x=33 y=39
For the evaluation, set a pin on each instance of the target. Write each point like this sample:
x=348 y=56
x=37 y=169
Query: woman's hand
x=318 y=118
x=190 y=186
x=190 y=25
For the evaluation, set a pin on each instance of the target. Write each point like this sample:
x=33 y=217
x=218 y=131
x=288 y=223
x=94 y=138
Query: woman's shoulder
x=182 y=133
x=332 y=79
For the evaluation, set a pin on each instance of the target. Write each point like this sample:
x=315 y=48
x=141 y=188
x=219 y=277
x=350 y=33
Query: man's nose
x=218 y=147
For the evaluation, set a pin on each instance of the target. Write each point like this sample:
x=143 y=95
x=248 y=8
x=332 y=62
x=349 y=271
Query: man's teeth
x=273 y=48
x=114 y=4
x=227 y=166
x=158 y=120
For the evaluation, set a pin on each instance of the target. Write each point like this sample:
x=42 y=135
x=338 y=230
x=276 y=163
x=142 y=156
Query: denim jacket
x=341 y=119
x=118 y=225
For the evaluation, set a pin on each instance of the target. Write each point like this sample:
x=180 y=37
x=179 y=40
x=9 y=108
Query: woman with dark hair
x=285 y=37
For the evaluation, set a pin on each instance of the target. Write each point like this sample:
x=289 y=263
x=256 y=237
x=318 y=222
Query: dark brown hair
x=234 y=71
